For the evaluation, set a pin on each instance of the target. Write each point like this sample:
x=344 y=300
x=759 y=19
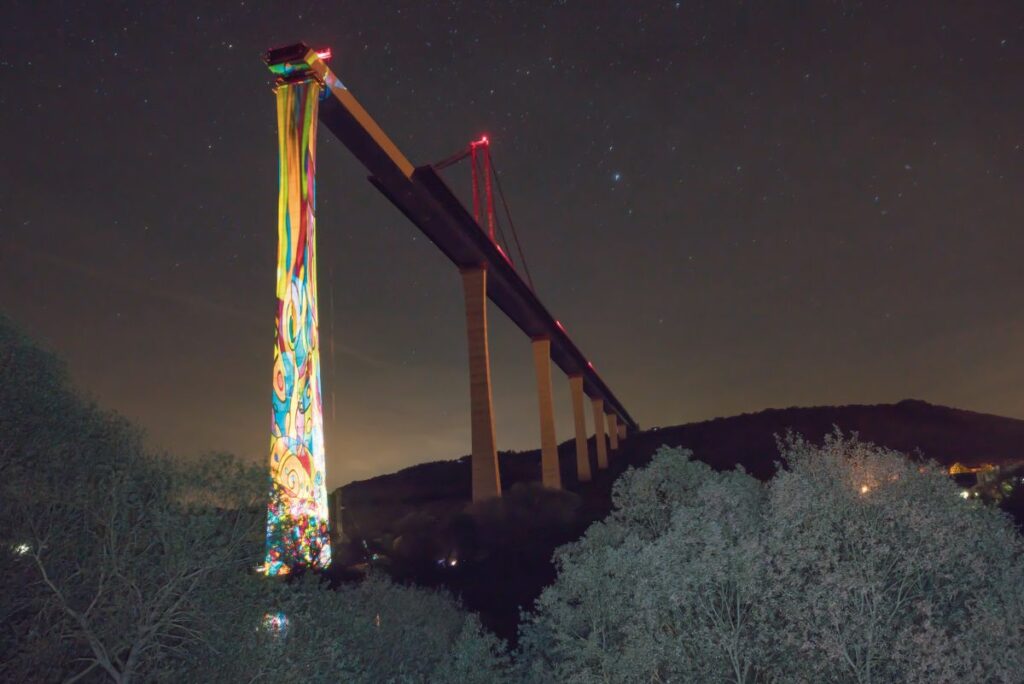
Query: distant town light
x=22 y=549
x=864 y=489
x=961 y=469
x=964 y=494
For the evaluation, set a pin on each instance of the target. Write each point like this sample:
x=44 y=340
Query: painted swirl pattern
x=297 y=514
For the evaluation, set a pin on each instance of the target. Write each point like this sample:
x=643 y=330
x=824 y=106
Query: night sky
x=730 y=206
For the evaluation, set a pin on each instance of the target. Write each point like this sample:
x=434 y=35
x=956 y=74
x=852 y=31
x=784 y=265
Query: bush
x=109 y=549
x=879 y=571
x=118 y=565
x=853 y=565
x=374 y=631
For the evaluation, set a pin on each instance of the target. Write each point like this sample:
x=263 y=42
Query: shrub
x=373 y=631
x=878 y=571
x=853 y=564
x=118 y=565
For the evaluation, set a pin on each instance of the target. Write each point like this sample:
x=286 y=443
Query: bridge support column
x=613 y=431
x=298 y=513
x=579 y=420
x=486 y=478
x=599 y=439
x=551 y=474
x=622 y=431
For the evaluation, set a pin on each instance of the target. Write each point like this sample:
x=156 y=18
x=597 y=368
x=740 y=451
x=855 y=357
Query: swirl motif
x=297 y=513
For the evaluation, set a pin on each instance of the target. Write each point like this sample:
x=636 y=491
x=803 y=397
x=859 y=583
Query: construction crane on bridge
x=482 y=164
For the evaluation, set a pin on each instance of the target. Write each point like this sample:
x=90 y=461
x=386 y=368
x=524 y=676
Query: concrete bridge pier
x=486 y=479
x=579 y=420
x=622 y=431
x=551 y=474
x=599 y=437
x=613 y=431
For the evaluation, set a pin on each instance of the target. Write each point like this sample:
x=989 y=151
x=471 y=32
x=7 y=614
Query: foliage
x=122 y=566
x=374 y=631
x=633 y=591
x=879 y=571
x=853 y=565
x=110 y=547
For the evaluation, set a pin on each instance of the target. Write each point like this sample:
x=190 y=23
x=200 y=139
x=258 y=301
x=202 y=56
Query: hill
x=947 y=435
x=418 y=525
x=944 y=434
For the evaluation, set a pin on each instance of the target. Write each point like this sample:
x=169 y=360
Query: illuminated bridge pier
x=422 y=196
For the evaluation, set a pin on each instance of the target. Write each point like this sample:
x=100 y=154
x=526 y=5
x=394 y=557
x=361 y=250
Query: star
x=563 y=131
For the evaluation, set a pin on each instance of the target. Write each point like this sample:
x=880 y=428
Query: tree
x=112 y=546
x=662 y=590
x=119 y=565
x=98 y=534
x=373 y=631
x=879 y=571
x=854 y=564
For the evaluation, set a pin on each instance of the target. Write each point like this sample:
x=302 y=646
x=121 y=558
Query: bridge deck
x=422 y=195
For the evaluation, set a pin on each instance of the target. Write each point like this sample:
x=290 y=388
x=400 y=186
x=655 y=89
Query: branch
x=84 y=672
x=98 y=650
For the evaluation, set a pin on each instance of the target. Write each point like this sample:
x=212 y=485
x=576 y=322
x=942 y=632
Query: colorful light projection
x=297 y=515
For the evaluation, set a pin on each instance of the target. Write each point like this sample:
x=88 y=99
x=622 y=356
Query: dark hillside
x=418 y=524
x=944 y=434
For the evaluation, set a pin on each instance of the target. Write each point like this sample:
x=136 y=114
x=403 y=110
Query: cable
x=508 y=250
x=515 y=234
x=491 y=218
x=454 y=159
x=489 y=169
x=334 y=357
x=476 y=185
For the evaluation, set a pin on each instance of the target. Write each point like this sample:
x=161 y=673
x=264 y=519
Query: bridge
x=308 y=91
